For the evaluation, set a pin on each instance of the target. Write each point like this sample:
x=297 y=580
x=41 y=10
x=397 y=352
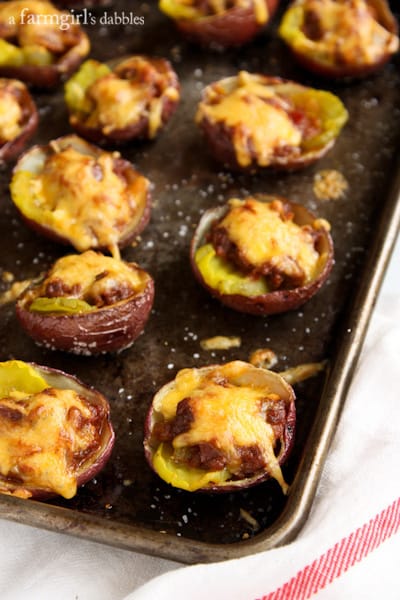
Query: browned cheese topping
x=39 y=27
x=262 y=238
x=264 y=124
x=11 y=111
x=215 y=422
x=44 y=438
x=85 y=197
x=98 y=280
x=137 y=90
x=346 y=31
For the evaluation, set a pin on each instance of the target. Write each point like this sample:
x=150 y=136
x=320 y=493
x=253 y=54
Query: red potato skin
x=219 y=140
x=235 y=27
x=287 y=442
x=48 y=76
x=87 y=472
x=109 y=329
x=13 y=148
x=127 y=236
x=277 y=301
x=138 y=130
x=352 y=71
x=335 y=71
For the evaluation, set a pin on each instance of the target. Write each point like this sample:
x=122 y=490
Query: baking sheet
x=127 y=505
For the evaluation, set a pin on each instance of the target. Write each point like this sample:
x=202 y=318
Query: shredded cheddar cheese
x=228 y=410
x=10 y=114
x=348 y=32
x=80 y=196
x=41 y=437
x=263 y=236
x=89 y=275
x=259 y=125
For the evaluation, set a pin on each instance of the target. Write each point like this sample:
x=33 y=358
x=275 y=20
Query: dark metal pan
x=127 y=505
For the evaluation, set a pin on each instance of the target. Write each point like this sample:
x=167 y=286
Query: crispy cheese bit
x=302 y=372
x=89 y=278
x=344 y=33
x=227 y=412
x=265 y=235
x=43 y=438
x=329 y=184
x=81 y=197
x=246 y=516
x=11 y=115
x=263 y=358
x=260 y=125
x=221 y=342
x=15 y=290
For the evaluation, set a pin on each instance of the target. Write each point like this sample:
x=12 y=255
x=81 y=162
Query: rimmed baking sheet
x=127 y=505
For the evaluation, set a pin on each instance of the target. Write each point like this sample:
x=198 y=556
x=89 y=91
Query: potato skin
x=124 y=167
x=51 y=75
x=219 y=136
x=235 y=27
x=109 y=329
x=286 y=440
x=87 y=470
x=349 y=70
x=274 y=302
x=140 y=129
x=13 y=148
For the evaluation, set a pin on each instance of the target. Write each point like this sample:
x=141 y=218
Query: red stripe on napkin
x=340 y=557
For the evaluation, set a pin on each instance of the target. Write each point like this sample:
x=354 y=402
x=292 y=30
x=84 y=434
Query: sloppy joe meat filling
x=222 y=425
x=347 y=31
x=136 y=90
x=262 y=239
x=264 y=123
x=98 y=280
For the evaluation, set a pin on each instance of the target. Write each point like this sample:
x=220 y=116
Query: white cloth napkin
x=348 y=548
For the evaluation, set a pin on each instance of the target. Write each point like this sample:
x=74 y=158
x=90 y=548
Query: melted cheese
x=263 y=236
x=351 y=35
x=191 y=10
x=118 y=103
x=81 y=197
x=94 y=274
x=37 y=25
x=259 y=126
x=10 y=114
x=39 y=447
x=228 y=412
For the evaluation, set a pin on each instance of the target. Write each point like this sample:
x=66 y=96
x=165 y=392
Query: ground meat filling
x=283 y=272
x=98 y=280
x=208 y=455
x=153 y=73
